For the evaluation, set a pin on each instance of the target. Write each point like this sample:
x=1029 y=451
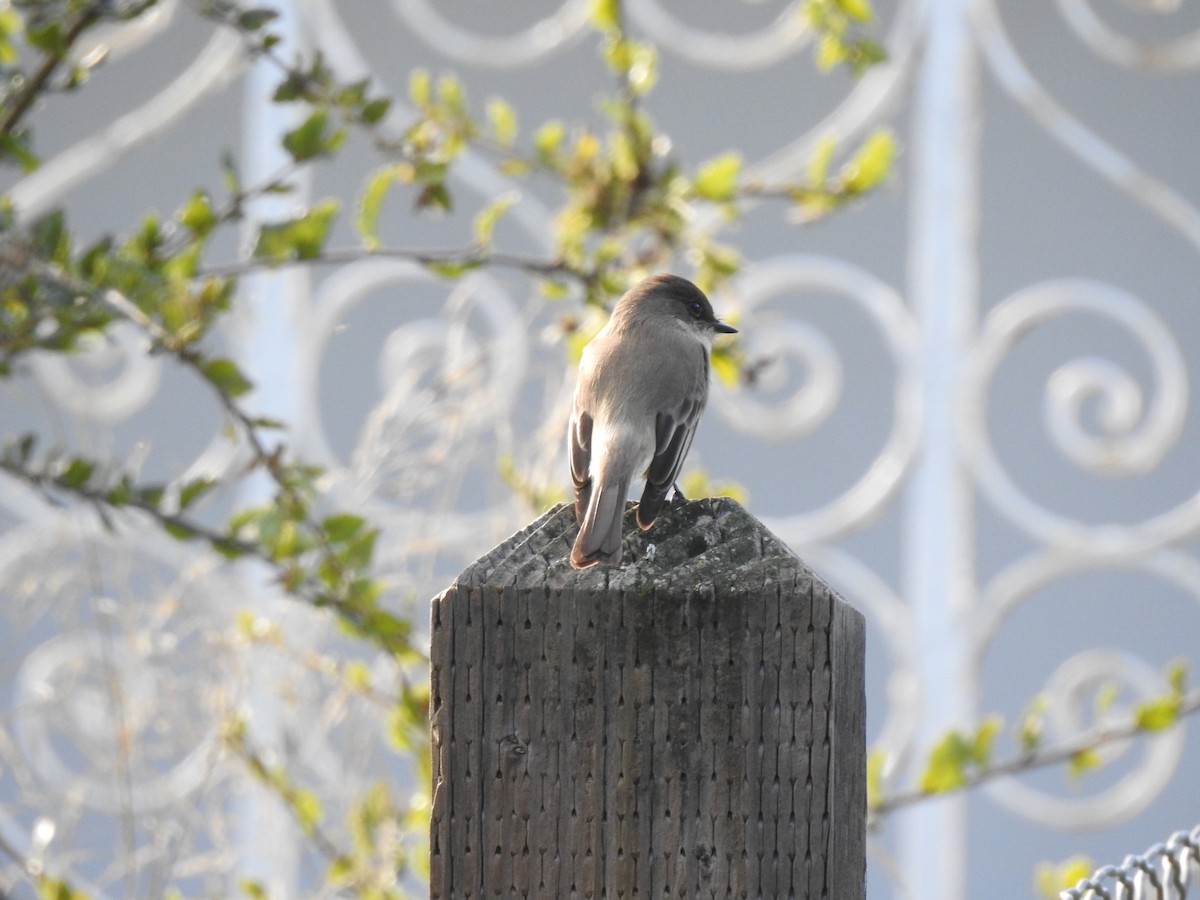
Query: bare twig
x=468 y=256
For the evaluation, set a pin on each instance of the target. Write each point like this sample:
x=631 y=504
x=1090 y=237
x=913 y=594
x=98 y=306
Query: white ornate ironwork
x=121 y=635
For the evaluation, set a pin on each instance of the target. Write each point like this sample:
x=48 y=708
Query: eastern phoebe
x=643 y=383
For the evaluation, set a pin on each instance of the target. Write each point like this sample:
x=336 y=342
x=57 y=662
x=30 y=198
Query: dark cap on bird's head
x=673 y=295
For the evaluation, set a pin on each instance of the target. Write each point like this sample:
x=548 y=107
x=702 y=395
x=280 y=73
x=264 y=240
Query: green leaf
x=121 y=493
x=373 y=111
x=865 y=53
x=228 y=549
x=77 y=473
x=623 y=161
x=717 y=179
x=946 y=768
x=150 y=495
x=300 y=238
x=358 y=551
x=10 y=26
x=1158 y=714
x=485 y=221
x=197 y=214
x=194 y=490
x=876 y=764
x=859 y=10
x=353 y=94
x=605 y=14
x=1030 y=732
x=642 y=73
x=502 y=120
x=717 y=263
x=872 y=162
x=419 y=90
x=149 y=239
x=515 y=167
x=452 y=269
x=831 y=50
x=294 y=86
x=1050 y=879
x=286 y=541
x=548 y=140
x=553 y=290
x=20 y=450
x=981 y=743
x=179 y=530
x=1177 y=673
x=253 y=889
x=357 y=675
x=342 y=527
x=451 y=96
x=48 y=37
x=373 y=195
x=373 y=808
x=307 y=806
x=380 y=625
x=226 y=377
x=436 y=196
x=817 y=169
x=15 y=147
x=1107 y=696
x=56 y=889
x=363 y=593
x=256 y=18
x=727 y=365
x=1084 y=761
x=618 y=53
x=51 y=239
x=313 y=137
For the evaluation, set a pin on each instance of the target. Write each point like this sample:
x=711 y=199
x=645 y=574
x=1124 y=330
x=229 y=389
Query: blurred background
x=970 y=414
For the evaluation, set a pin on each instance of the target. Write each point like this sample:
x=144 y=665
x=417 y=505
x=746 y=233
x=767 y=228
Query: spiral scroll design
x=1178 y=54
x=129 y=659
x=1072 y=689
x=551 y=34
x=782 y=37
x=446 y=380
x=1142 y=188
x=111 y=379
x=217 y=64
x=1133 y=439
x=1072 y=692
x=787 y=342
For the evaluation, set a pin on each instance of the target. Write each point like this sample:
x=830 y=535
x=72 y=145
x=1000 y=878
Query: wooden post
x=690 y=724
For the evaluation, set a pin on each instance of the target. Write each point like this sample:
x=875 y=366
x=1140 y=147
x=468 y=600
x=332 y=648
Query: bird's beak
x=722 y=328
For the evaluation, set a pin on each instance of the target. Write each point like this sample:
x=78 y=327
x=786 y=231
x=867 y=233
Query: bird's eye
x=696 y=308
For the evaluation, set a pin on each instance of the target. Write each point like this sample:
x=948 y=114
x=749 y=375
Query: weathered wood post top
x=689 y=724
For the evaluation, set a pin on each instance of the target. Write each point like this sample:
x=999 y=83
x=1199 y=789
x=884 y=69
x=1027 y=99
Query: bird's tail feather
x=599 y=539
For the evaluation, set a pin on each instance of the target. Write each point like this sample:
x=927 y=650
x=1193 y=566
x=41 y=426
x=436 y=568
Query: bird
x=643 y=383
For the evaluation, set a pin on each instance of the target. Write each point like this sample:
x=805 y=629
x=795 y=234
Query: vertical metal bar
x=939 y=527
x=267 y=341
x=273 y=303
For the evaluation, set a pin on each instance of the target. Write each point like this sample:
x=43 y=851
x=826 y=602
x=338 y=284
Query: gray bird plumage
x=643 y=383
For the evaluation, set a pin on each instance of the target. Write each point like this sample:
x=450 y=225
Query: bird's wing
x=579 y=443
x=673 y=432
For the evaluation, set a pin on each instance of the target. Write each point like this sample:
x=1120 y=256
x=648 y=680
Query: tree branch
x=1091 y=739
x=36 y=84
x=468 y=256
